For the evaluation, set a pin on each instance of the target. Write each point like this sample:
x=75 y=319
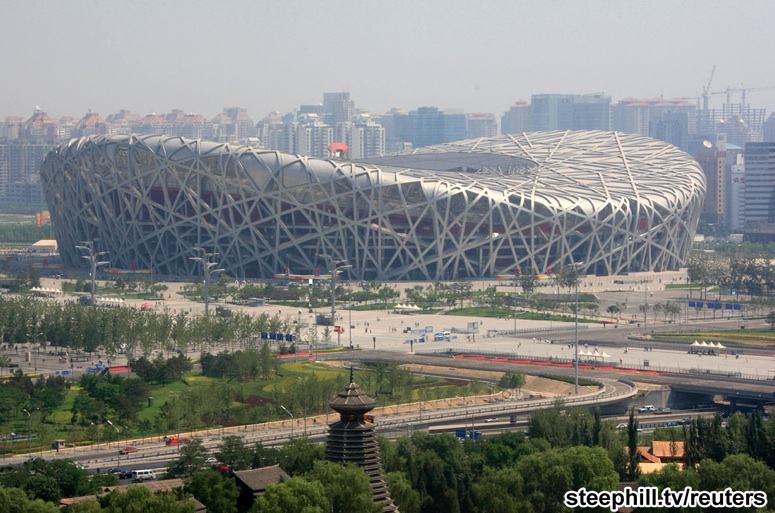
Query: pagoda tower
x=353 y=440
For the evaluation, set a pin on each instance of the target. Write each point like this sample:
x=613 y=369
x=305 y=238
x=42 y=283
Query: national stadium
x=612 y=202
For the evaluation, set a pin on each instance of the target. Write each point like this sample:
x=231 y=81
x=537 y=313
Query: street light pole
x=207 y=268
x=29 y=434
x=177 y=415
x=334 y=268
x=646 y=308
x=292 y=419
x=576 y=280
x=118 y=441
x=350 y=320
x=92 y=257
x=304 y=391
x=515 y=303
x=577 y=337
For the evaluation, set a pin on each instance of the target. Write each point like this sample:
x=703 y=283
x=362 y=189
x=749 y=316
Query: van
x=143 y=475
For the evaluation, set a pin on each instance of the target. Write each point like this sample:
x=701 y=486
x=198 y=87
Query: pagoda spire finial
x=352 y=379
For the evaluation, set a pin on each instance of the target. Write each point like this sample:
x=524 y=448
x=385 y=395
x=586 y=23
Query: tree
x=192 y=459
x=347 y=487
x=499 y=491
x=633 y=456
x=613 y=310
x=234 y=453
x=14 y=500
x=513 y=379
x=215 y=491
x=528 y=281
x=297 y=494
x=771 y=319
x=404 y=496
x=139 y=499
x=299 y=455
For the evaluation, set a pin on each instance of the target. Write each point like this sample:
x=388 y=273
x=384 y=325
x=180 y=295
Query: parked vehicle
x=649 y=408
x=143 y=475
x=128 y=450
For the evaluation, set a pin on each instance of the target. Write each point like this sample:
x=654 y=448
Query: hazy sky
x=480 y=56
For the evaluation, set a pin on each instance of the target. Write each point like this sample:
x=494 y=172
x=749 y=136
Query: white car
x=211 y=461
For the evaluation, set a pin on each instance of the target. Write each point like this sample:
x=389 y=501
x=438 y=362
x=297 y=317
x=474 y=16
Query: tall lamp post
x=576 y=280
x=292 y=419
x=93 y=258
x=35 y=352
x=177 y=415
x=334 y=268
x=207 y=268
x=350 y=320
x=516 y=279
x=465 y=419
x=118 y=441
x=304 y=391
x=29 y=433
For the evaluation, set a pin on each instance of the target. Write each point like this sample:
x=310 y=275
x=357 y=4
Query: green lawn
x=758 y=337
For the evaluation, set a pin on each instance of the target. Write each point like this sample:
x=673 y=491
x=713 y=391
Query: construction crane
x=743 y=91
x=706 y=89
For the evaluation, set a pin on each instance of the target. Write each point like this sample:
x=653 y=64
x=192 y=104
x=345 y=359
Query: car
x=125 y=474
x=114 y=470
x=621 y=425
x=221 y=466
x=128 y=450
x=211 y=461
x=494 y=419
x=649 y=408
x=663 y=411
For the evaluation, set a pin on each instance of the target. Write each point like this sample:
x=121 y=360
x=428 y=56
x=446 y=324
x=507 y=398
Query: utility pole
x=207 y=268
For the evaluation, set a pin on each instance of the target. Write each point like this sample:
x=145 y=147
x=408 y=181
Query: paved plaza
x=388 y=330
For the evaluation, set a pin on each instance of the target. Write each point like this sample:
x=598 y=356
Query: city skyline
x=159 y=56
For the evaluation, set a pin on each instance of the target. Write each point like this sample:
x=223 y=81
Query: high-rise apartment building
x=670 y=120
x=768 y=129
x=734 y=188
x=711 y=158
x=338 y=108
x=481 y=124
x=672 y=127
x=313 y=136
x=363 y=136
x=759 y=183
x=570 y=112
x=398 y=130
x=431 y=126
x=517 y=119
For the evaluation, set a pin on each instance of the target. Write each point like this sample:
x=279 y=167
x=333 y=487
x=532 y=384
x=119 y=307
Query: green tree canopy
x=214 y=490
x=297 y=494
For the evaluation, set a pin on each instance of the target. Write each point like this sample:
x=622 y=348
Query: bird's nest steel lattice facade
x=469 y=209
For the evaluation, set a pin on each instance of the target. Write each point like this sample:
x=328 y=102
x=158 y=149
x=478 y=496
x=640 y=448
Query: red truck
x=174 y=440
